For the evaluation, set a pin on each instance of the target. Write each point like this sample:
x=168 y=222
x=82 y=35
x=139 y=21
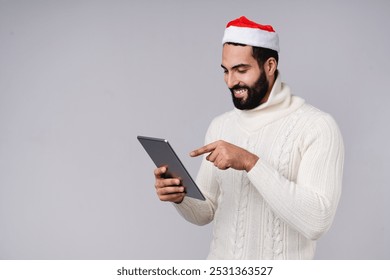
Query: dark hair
x=261 y=54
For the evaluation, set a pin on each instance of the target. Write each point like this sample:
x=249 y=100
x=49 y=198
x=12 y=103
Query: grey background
x=79 y=80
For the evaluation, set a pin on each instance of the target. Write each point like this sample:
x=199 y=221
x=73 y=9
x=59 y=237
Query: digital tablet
x=161 y=152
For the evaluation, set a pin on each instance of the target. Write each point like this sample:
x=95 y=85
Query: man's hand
x=168 y=189
x=225 y=155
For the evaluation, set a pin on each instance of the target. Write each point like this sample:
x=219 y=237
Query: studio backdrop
x=79 y=80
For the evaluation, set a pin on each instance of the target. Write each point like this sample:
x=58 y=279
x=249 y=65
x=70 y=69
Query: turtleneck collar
x=279 y=103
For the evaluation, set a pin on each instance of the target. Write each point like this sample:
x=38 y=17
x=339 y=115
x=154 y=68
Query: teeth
x=240 y=91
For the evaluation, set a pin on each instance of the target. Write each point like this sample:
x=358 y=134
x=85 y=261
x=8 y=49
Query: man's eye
x=241 y=71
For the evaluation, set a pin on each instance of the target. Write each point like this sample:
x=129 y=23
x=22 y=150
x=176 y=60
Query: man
x=273 y=171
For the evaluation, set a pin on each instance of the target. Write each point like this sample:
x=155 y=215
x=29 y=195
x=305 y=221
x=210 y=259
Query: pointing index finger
x=205 y=149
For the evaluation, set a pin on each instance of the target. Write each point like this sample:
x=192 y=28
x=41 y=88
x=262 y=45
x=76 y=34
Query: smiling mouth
x=240 y=93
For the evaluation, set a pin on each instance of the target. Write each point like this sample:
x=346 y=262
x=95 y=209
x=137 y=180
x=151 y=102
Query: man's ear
x=270 y=67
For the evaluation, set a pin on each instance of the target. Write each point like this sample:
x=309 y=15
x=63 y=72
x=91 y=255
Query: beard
x=255 y=94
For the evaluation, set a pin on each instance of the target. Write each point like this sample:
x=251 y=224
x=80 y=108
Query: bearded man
x=272 y=169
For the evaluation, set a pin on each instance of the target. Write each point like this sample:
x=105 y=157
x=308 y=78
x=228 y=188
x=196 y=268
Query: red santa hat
x=244 y=31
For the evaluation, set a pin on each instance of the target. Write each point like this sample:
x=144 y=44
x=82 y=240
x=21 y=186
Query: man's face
x=247 y=82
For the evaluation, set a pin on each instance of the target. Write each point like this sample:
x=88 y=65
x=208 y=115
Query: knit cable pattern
x=243 y=194
x=274 y=235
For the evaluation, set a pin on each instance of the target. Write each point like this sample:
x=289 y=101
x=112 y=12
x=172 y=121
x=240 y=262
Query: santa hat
x=244 y=31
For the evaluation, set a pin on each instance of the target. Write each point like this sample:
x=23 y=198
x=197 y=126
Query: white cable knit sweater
x=289 y=198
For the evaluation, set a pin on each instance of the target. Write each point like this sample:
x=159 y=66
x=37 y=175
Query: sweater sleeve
x=309 y=203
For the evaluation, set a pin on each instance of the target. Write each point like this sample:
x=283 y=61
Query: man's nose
x=231 y=80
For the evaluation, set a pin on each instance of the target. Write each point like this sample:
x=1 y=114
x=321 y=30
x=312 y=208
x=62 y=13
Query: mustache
x=236 y=87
